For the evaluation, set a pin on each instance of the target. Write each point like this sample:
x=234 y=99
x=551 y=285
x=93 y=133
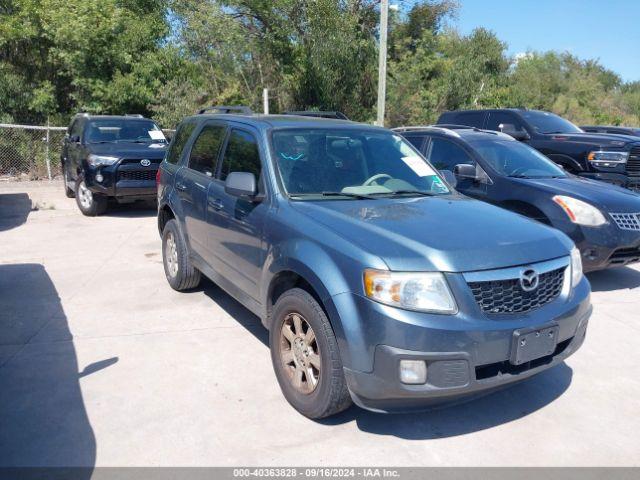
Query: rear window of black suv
x=182 y=135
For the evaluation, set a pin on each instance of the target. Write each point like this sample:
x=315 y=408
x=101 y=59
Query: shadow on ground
x=623 y=278
x=495 y=409
x=235 y=309
x=138 y=209
x=43 y=421
x=14 y=210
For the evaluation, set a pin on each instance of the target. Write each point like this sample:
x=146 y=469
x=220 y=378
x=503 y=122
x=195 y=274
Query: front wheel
x=90 y=204
x=305 y=356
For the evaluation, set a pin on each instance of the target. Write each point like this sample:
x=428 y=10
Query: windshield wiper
x=519 y=175
x=411 y=192
x=347 y=194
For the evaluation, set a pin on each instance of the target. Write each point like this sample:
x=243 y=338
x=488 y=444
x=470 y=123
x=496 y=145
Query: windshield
x=545 y=122
x=513 y=159
x=351 y=163
x=121 y=130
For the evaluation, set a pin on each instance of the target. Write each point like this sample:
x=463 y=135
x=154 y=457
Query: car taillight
x=158 y=174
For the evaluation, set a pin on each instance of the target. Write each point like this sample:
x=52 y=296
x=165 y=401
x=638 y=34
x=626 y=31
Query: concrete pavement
x=101 y=363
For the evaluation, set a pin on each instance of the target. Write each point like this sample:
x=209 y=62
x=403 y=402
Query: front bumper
x=127 y=181
x=606 y=246
x=466 y=354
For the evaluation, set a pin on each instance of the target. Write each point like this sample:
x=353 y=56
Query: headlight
x=99 y=160
x=608 y=159
x=580 y=212
x=426 y=292
x=576 y=266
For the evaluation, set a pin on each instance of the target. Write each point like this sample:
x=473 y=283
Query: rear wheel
x=305 y=356
x=89 y=203
x=180 y=274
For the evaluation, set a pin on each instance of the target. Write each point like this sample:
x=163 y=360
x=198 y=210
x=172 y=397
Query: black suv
x=111 y=157
x=611 y=158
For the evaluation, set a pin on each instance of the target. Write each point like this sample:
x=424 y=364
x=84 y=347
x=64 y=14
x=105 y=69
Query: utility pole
x=265 y=101
x=382 y=60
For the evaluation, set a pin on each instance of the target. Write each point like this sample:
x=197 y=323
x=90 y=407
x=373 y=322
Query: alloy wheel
x=85 y=196
x=299 y=353
x=171 y=254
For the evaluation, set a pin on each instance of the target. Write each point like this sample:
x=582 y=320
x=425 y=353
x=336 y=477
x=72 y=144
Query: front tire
x=305 y=356
x=89 y=203
x=180 y=274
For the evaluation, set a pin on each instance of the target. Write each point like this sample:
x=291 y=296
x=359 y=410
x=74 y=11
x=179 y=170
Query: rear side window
x=471 y=119
x=204 y=153
x=508 y=122
x=445 y=155
x=416 y=141
x=241 y=155
x=177 y=145
x=76 y=128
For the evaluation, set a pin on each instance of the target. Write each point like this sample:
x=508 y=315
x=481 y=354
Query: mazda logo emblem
x=529 y=279
x=145 y=162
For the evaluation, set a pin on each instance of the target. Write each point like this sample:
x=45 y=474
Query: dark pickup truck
x=607 y=157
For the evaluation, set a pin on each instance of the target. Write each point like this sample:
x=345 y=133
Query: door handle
x=181 y=186
x=215 y=204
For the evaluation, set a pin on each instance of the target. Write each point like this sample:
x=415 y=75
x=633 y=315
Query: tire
x=89 y=203
x=69 y=193
x=180 y=274
x=312 y=391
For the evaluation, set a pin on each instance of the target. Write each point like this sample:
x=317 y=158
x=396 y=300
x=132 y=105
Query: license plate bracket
x=533 y=343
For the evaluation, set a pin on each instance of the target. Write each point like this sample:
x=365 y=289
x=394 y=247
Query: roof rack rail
x=134 y=115
x=226 y=109
x=318 y=113
x=439 y=128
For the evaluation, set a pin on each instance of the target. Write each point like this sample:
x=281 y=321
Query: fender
x=308 y=260
x=566 y=161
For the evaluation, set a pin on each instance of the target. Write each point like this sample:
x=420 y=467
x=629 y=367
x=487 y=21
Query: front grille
x=138 y=175
x=623 y=256
x=507 y=296
x=633 y=163
x=627 y=221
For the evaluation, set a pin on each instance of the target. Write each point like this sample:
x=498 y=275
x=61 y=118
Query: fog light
x=413 y=371
x=99 y=178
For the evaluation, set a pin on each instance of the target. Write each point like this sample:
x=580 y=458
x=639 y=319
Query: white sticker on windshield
x=157 y=134
x=419 y=166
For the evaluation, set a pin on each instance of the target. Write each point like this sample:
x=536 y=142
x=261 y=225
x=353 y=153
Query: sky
x=607 y=30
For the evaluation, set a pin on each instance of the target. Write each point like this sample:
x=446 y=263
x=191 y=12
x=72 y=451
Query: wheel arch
x=165 y=213
x=569 y=163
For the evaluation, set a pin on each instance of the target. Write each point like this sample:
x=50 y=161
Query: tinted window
x=472 y=119
x=416 y=141
x=508 y=121
x=123 y=130
x=545 y=122
x=445 y=155
x=204 y=152
x=241 y=155
x=514 y=159
x=324 y=163
x=177 y=145
x=76 y=128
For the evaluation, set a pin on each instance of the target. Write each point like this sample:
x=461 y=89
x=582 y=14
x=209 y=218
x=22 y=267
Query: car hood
x=598 y=139
x=448 y=233
x=129 y=149
x=603 y=195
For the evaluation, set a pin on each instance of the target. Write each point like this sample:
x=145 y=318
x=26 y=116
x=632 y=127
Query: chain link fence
x=32 y=152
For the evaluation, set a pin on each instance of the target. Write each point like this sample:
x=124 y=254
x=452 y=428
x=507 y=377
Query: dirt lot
x=101 y=363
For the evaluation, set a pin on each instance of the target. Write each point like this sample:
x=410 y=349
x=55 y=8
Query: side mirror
x=464 y=170
x=74 y=138
x=449 y=177
x=241 y=184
